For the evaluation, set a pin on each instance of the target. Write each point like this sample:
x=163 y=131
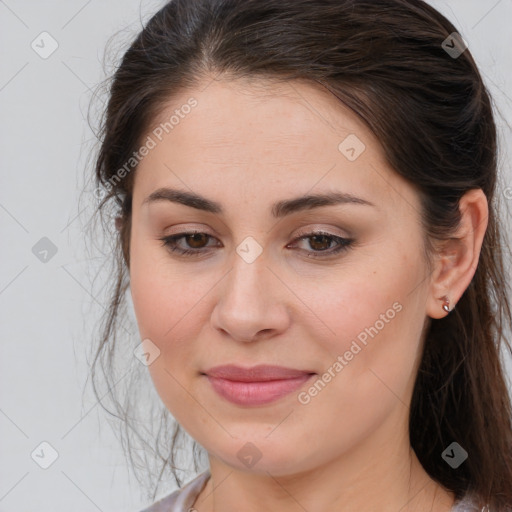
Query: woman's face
x=256 y=290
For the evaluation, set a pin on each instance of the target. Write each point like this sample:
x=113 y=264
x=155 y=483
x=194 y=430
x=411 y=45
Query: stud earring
x=446 y=304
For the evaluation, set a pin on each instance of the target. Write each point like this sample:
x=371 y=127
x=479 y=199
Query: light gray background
x=45 y=324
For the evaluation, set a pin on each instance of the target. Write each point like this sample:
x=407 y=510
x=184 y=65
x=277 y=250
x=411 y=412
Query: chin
x=262 y=456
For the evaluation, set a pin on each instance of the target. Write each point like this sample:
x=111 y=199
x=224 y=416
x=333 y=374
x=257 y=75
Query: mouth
x=257 y=385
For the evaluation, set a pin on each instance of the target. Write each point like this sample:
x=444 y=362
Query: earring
x=446 y=304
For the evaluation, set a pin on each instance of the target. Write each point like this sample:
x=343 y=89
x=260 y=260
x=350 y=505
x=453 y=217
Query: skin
x=246 y=146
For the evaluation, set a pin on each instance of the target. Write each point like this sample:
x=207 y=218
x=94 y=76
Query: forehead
x=255 y=137
x=261 y=112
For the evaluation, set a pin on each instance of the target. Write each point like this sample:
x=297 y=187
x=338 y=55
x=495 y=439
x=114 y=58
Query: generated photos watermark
x=150 y=143
x=305 y=397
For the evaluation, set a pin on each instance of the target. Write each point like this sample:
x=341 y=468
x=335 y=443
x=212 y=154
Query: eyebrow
x=279 y=208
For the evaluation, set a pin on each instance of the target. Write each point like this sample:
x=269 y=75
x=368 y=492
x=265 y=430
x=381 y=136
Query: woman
x=309 y=233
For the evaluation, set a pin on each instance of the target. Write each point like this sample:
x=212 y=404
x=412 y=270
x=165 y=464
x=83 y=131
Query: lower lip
x=256 y=393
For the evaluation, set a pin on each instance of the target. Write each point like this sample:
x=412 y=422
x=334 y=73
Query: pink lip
x=257 y=385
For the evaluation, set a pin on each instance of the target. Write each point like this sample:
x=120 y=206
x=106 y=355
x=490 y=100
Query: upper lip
x=259 y=373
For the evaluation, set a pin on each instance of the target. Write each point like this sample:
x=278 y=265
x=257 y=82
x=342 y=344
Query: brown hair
x=385 y=61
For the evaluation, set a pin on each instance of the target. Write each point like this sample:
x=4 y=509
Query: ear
x=457 y=258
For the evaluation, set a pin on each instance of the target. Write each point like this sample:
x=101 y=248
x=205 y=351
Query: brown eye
x=188 y=244
x=320 y=242
x=196 y=240
x=197 y=244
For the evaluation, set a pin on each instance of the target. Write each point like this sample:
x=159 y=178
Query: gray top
x=181 y=500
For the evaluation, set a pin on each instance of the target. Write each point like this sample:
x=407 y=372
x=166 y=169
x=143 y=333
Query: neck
x=382 y=474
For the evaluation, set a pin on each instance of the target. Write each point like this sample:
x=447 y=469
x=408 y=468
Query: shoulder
x=181 y=499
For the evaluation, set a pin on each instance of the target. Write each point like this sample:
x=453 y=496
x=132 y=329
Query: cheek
x=348 y=304
x=159 y=290
x=171 y=307
x=167 y=312
x=370 y=355
x=369 y=323
x=152 y=302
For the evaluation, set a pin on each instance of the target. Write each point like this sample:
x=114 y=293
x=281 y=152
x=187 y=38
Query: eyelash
x=170 y=242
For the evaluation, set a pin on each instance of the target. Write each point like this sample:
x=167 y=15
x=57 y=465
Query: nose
x=251 y=301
